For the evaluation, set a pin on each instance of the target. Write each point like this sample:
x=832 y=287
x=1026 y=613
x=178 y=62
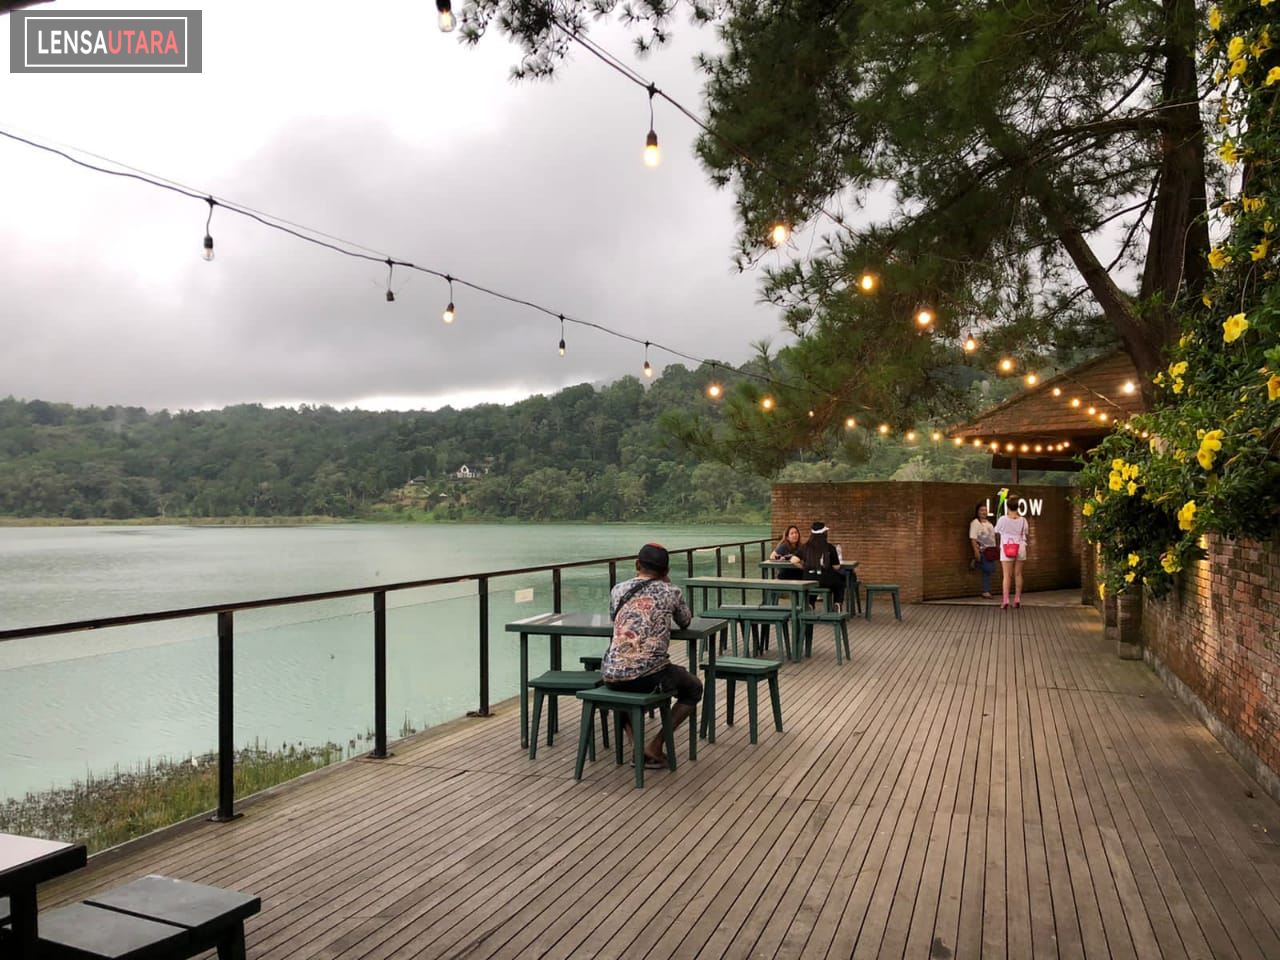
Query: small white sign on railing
x=524 y=596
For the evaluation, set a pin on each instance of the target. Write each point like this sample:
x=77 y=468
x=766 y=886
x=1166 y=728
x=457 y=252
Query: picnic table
x=848 y=568
x=798 y=589
x=555 y=626
x=26 y=862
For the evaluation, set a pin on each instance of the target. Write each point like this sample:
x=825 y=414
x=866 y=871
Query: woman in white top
x=1011 y=529
x=982 y=538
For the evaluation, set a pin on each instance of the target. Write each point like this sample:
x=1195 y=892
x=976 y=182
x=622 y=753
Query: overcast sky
x=363 y=121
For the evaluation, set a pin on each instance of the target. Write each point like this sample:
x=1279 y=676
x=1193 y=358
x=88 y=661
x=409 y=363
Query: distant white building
x=466 y=472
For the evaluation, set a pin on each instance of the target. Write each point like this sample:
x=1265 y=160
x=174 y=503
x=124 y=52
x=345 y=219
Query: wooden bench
x=889 y=588
x=636 y=705
x=839 y=620
x=153 y=918
x=555 y=684
x=733 y=669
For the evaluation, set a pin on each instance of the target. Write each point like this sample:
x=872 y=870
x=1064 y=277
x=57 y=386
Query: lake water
x=96 y=701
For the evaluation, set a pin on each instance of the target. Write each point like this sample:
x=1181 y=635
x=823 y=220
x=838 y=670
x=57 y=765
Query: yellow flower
x=1134 y=559
x=1170 y=563
x=1228 y=153
x=1102 y=591
x=1253 y=204
x=1117 y=464
x=1132 y=488
x=1131 y=471
x=1235 y=48
x=1260 y=251
x=1273 y=77
x=1187 y=516
x=1087 y=509
x=1233 y=327
x=1178 y=369
x=1177 y=384
x=1218 y=259
x=1210 y=445
x=1215 y=18
x=1262 y=44
x=1129 y=577
x=1115 y=482
x=1237 y=67
x=1273 y=387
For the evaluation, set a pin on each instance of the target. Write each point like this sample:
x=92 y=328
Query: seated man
x=637 y=660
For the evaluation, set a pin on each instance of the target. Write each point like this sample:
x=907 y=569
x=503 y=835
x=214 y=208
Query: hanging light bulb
x=970 y=344
x=936 y=436
x=812 y=414
x=1039 y=448
x=1091 y=411
x=562 y=334
x=1102 y=417
x=850 y=423
x=911 y=436
x=448 y=314
x=1006 y=365
x=714 y=391
x=977 y=441
x=208 y=237
x=1024 y=448
x=447 y=20
x=1057 y=391
x=391 y=268
x=648 y=370
x=652 y=157
x=779 y=233
x=924 y=317
x=766 y=403
x=884 y=429
x=1032 y=379
x=1129 y=386
x=958 y=441
x=1075 y=401
x=867 y=282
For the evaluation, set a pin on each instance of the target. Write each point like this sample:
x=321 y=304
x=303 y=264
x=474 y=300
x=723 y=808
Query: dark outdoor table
x=24 y=863
x=799 y=590
x=558 y=625
x=848 y=568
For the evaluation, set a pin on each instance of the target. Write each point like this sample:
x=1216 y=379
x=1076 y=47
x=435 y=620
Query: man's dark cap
x=654 y=556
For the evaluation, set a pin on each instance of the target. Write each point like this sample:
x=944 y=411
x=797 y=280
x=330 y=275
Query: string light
x=977 y=441
x=1129 y=386
x=448 y=314
x=779 y=233
x=884 y=429
x=936 y=436
x=648 y=370
x=562 y=334
x=812 y=414
x=447 y=20
x=850 y=423
x=391 y=267
x=766 y=403
x=1102 y=417
x=1091 y=411
x=1057 y=391
x=970 y=344
x=1006 y=365
x=958 y=441
x=714 y=391
x=651 y=155
x=924 y=316
x=1032 y=379
x=1075 y=401
x=867 y=282
x=911 y=436
x=208 y=237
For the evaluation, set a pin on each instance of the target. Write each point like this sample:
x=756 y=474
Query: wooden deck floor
x=975 y=784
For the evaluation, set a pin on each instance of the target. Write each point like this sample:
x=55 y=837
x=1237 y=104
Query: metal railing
x=225 y=618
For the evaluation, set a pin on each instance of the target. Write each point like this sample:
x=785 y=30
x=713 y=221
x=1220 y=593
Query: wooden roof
x=1037 y=416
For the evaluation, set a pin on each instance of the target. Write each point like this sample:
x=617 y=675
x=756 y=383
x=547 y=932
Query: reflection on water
x=98 y=700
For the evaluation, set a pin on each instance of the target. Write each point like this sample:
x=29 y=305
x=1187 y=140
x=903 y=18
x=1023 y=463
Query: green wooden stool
x=554 y=684
x=733 y=669
x=635 y=705
x=839 y=620
x=889 y=588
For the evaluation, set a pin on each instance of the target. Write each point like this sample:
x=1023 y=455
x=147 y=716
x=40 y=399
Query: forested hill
x=584 y=453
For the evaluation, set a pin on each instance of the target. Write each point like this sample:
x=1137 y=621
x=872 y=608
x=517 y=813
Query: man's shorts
x=670 y=679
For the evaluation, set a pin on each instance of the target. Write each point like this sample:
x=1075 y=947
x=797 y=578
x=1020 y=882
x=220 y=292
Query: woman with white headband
x=822 y=562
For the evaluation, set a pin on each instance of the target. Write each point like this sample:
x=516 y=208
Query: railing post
x=613 y=574
x=689 y=557
x=379 y=675
x=226 y=727
x=484 y=647
x=555 y=591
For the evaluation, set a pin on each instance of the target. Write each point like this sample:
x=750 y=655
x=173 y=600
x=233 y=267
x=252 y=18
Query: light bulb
x=936 y=436
x=924 y=318
x=652 y=157
x=391 y=297
x=1032 y=379
x=970 y=345
x=714 y=391
x=767 y=403
x=1057 y=391
x=911 y=436
x=562 y=346
x=850 y=423
x=1006 y=365
x=208 y=247
x=779 y=233
x=1102 y=417
x=447 y=20
x=447 y=316
x=1091 y=411
x=648 y=370
x=812 y=414
x=1009 y=447
x=867 y=282
x=977 y=442
x=1025 y=448
x=1129 y=386
x=958 y=441
x=884 y=429
x=1039 y=448
x=1075 y=401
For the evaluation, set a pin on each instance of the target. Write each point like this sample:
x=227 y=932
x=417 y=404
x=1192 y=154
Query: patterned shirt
x=642 y=628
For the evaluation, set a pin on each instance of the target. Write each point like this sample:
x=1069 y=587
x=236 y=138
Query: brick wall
x=1216 y=641
x=917 y=534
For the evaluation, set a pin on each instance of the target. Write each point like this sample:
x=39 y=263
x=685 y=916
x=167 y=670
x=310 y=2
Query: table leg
x=553 y=712
x=709 y=690
x=524 y=691
x=22 y=914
